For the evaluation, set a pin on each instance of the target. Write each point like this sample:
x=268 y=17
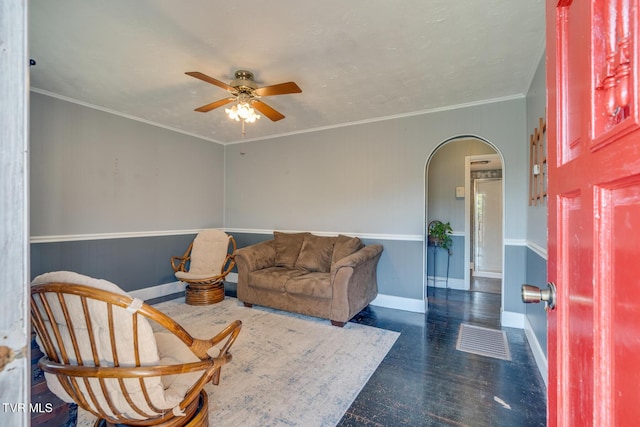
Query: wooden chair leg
x=248 y=304
x=215 y=380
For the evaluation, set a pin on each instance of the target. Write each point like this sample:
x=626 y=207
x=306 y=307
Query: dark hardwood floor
x=425 y=381
x=485 y=284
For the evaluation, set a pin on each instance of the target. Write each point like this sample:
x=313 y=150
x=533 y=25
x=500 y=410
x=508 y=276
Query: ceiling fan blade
x=214 y=105
x=204 y=77
x=267 y=111
x=279 y=89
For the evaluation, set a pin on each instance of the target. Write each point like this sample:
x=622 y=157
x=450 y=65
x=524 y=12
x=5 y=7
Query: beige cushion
x=272 y=278
x=288 y=247
x=315 y=284
x=122 y=319
x=345 y=246
x=173 y=351
x=210 y=248
x=315 y=254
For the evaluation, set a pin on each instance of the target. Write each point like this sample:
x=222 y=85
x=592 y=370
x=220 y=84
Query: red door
x=594 y=212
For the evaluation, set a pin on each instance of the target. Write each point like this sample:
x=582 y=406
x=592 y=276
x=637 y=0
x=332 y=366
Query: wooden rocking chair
x=101 y=353
x=204 y=266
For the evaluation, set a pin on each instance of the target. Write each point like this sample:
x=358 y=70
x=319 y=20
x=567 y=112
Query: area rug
x=287 y=369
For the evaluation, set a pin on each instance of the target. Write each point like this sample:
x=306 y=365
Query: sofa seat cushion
x=315 y=284
x=273 y=278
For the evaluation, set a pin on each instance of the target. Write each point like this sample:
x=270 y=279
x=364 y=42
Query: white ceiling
x=354 y=60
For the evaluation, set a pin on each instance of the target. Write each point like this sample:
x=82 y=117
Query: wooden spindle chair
x=102 y=353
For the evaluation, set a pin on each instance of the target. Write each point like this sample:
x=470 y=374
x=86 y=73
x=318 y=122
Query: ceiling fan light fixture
x=242 y=111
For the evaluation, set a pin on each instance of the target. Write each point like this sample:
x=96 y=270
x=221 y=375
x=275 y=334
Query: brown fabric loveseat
x=328 y=277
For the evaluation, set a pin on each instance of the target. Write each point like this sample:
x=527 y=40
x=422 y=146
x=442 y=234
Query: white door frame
x=15 y=329
x=467 y=210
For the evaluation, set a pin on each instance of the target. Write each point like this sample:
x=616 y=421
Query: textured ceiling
x=354 y=60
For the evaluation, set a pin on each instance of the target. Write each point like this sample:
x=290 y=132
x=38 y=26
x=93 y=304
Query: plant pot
x=434 y=241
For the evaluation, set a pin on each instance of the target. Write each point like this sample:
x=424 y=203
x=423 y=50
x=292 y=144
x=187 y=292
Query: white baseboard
x=387 y=301
x=487 y=274
x=536 y=349
x=400 y=303
x=158 y=291
x=510 y=319
x=441 y=282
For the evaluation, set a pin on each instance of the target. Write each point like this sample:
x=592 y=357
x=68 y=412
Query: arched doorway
x=460 y=174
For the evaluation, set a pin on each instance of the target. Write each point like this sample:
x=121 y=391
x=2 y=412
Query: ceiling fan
x=245 y=91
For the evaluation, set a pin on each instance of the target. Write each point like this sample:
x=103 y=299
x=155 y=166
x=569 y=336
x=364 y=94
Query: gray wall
x=536 y=108
x=537 y=215
x=93 y=172
x=369 y=179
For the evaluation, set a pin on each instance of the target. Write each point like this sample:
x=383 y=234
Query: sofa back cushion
x=345 y=246
x=288 y=247
x=315 y=254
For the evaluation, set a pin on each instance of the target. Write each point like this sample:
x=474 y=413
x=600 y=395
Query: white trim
x=106 y=236
x=132 y=234
x=157 y=291
x=489 y=274
x=441 y=282
x=536 y=349
x=388 y=301
x=280 y=135
x=118 y=113
x=156 y=233
x=511 y=319
x=399 y=303
x=381 y=119
x=371 y=236
x=515 y=242
x=542 y=252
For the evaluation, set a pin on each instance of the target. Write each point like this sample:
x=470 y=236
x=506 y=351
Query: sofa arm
x=354 y=282
x=366 y=254
x=256 y=257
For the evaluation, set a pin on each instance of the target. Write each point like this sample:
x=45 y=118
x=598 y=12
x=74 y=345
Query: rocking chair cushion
x=185 y=276
x=173 y=351
x=209 y=252
x=122 y=319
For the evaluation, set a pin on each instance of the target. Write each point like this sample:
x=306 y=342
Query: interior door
x=594 y=212
x=487 y=226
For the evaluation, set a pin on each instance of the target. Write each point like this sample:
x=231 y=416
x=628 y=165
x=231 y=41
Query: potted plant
x=439 y=234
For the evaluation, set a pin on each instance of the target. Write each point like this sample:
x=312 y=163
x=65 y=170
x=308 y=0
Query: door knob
x=533 y=294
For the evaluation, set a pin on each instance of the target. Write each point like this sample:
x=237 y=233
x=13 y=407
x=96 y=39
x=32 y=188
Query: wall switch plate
x=459 y=192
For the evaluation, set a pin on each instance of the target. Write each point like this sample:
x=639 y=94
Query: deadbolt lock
x=533 y=294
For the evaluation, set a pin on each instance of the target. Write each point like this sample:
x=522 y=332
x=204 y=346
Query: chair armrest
x=183 y=260
x=256 y=257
